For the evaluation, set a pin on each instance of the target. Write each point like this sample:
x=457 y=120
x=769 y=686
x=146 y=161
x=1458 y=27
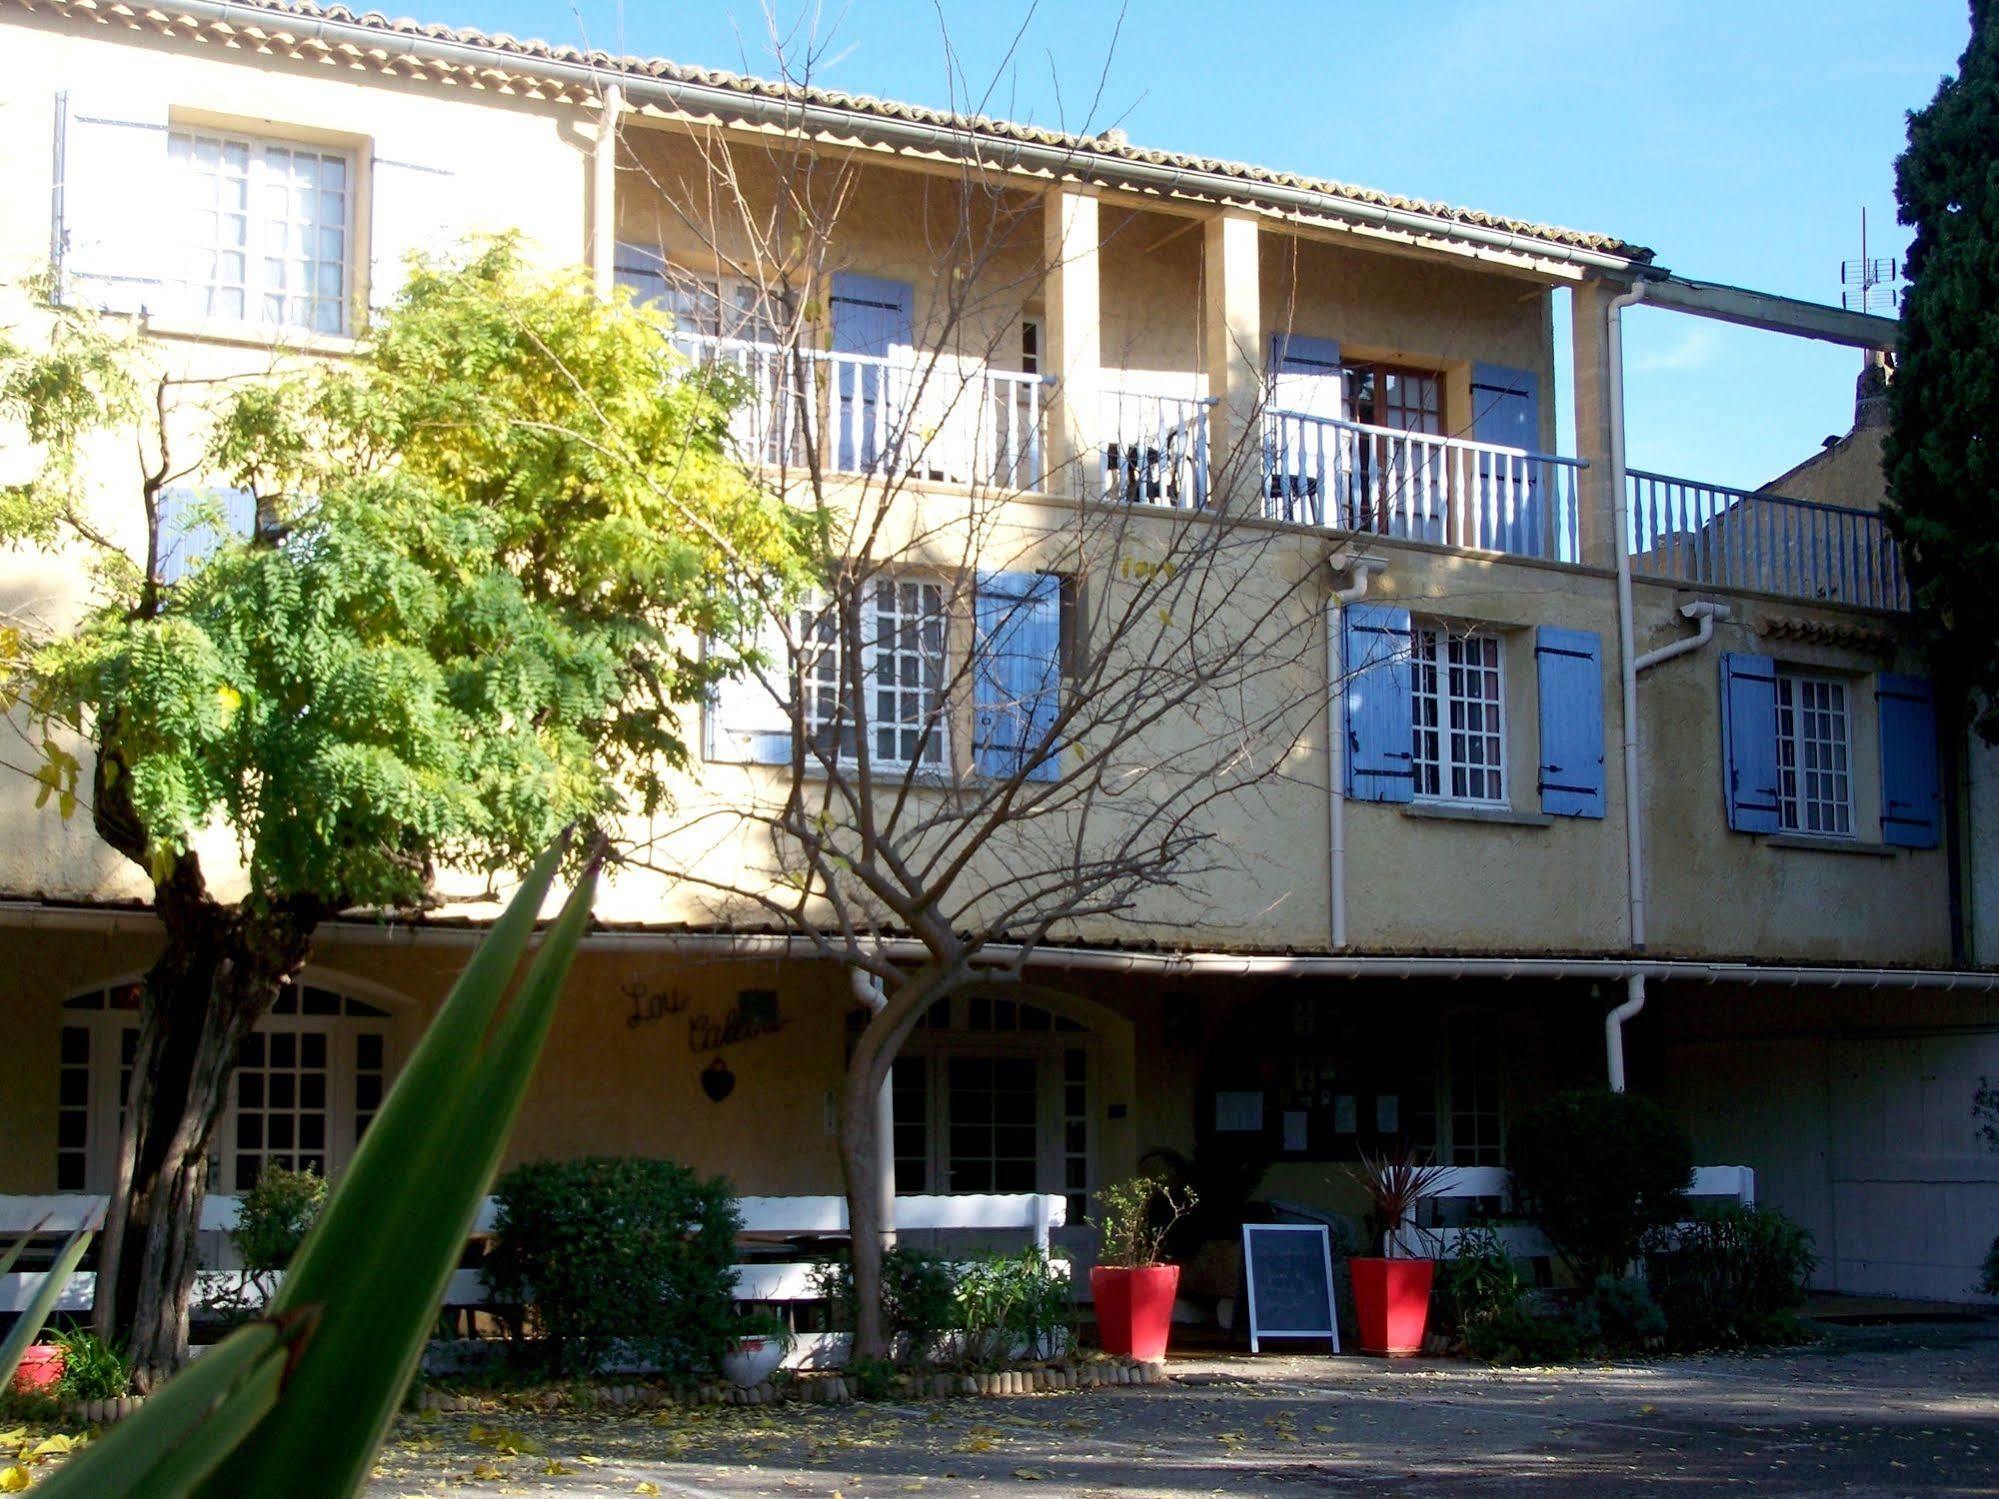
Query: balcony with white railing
x=1324 y=471
x=944 y=418
x=1719 y=537
x=1155 y=449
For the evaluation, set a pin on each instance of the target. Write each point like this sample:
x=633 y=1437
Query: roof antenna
x=1868 y=284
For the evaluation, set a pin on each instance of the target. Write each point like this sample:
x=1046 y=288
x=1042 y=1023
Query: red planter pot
x=1392 y=1300
x=41 y=1367
x=1135 y=1309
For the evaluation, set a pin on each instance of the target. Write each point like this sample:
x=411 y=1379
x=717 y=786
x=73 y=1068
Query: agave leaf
x=54 y=1280
x=14 y=1249
x=380 y=1273
x=191 y=1423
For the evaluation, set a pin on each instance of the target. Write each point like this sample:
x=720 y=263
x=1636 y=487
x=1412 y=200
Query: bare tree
x=1031 y=692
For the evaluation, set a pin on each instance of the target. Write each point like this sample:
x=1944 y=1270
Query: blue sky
x=1739 y=140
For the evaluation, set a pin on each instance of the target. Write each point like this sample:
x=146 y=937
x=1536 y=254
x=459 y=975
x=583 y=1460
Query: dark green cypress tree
x=1942 y=455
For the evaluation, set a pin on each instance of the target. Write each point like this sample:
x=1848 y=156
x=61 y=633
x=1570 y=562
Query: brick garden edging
x=820 y=1389
x=102 y=1412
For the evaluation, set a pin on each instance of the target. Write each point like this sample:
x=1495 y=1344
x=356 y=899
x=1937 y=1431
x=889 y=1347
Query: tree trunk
x=860 y=1162
x=219 y=971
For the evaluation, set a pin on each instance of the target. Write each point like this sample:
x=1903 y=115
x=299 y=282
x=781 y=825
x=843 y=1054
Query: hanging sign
x=1289 y=1268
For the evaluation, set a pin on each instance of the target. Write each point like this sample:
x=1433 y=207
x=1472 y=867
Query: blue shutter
x=188 y=529
x=1569 y=667
x=1911 y=784
x=110 y=201
x=1375 y=689
x=745 y=723
x=1016 y=672
x=1304 y=378
x=1506 y=410
x=1749 y=741
x=414 y=209
x=871 y=316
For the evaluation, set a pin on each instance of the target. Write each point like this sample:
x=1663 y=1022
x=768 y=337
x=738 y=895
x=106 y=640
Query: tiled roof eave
x=336 y=35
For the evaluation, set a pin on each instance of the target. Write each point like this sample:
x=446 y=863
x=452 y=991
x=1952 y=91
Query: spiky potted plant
x=1392 y=1295
x=1131 y=1284
x=763 y=1338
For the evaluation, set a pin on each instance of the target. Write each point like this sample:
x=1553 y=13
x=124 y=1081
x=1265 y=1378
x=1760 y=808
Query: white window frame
x=1795 y=809
x=259 y=181
x=107 y=1024
x=822 y=689
x=1431 y=647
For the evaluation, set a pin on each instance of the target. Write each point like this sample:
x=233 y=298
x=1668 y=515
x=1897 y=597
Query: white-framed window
x=1814 y=755
x=994 y=1095
x=264 y=232
x=1472 y=1094
x=1458 y=715
x=705 y=303
x=902 y=632
x=309 y=1080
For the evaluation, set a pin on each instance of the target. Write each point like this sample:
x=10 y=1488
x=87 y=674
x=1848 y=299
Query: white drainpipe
x=1362 y=570
x=604 y=192
x=1627 y=650
x=1705 y=613
x=868 y=990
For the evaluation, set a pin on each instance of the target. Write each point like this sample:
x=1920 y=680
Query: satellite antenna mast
x=1868 y=284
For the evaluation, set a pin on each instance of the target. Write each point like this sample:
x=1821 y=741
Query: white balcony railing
x=1155 y=449
x=1322 y=471
x=934 y=416
x=1734 y=538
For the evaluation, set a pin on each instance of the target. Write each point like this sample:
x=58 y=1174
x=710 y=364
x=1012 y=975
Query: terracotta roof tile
x=1110 y=147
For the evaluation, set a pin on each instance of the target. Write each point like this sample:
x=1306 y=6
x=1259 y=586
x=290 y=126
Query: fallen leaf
x=1027 y=1475
x=645 y=1486
x=13 y=1479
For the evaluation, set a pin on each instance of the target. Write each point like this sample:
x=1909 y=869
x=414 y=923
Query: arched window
x=993 y=1095
x=308 y=1080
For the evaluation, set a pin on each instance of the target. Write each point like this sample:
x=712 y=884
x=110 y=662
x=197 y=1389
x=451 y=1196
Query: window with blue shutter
x=1568 y=667
x=1375 y=688
x=413 y=209
x=875 y=317
x=1749 y=742
x=191 y=529
x=1911 y=780
x=1016 y=673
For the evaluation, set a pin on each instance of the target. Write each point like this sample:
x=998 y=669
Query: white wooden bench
x=765 y=1220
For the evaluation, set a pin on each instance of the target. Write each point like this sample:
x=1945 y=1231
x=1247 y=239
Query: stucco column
x=604 y=192
x=1589 y=307
x=1072 y=328
x=1233 y=324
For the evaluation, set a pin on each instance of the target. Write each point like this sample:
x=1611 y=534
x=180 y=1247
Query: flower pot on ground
x=1392 y=1294
x=41 y=1369
x=763 y=1338
x=1132 y=1287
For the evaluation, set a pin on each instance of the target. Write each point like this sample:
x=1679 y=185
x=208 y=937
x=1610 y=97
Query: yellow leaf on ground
x=56 y=1445
x=1027 y=1475
x=13 y=1479
x=645 y=1486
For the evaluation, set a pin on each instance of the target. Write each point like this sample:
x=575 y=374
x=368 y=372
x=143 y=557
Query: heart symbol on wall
x=717 y=1081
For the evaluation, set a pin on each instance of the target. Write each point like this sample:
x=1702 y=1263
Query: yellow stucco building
x=1635 y=737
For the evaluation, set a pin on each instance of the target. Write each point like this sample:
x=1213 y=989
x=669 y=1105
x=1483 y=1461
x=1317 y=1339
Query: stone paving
x=1869 y=1411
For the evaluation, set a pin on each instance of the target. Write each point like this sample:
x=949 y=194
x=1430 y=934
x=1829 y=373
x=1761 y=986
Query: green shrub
x=1732 y=1277
x=1477 y=1283
x=1598 y=1171
x=1524 y=1334
x=619 y=1257
x=1625 y=1314
x=91 y=1368
x=1004 y=1301
x=918 y=1305
x=274 y=1216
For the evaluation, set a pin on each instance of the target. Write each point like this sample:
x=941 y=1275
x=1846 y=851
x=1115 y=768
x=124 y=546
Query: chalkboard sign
x=1289 y=1267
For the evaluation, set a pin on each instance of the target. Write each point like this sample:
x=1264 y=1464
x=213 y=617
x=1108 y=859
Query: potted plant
x=1392 y=1296
x=1133 y=1288
x=763 y=1338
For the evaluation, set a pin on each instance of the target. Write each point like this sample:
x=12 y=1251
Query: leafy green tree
x=1942 y=455
x=462 y=621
